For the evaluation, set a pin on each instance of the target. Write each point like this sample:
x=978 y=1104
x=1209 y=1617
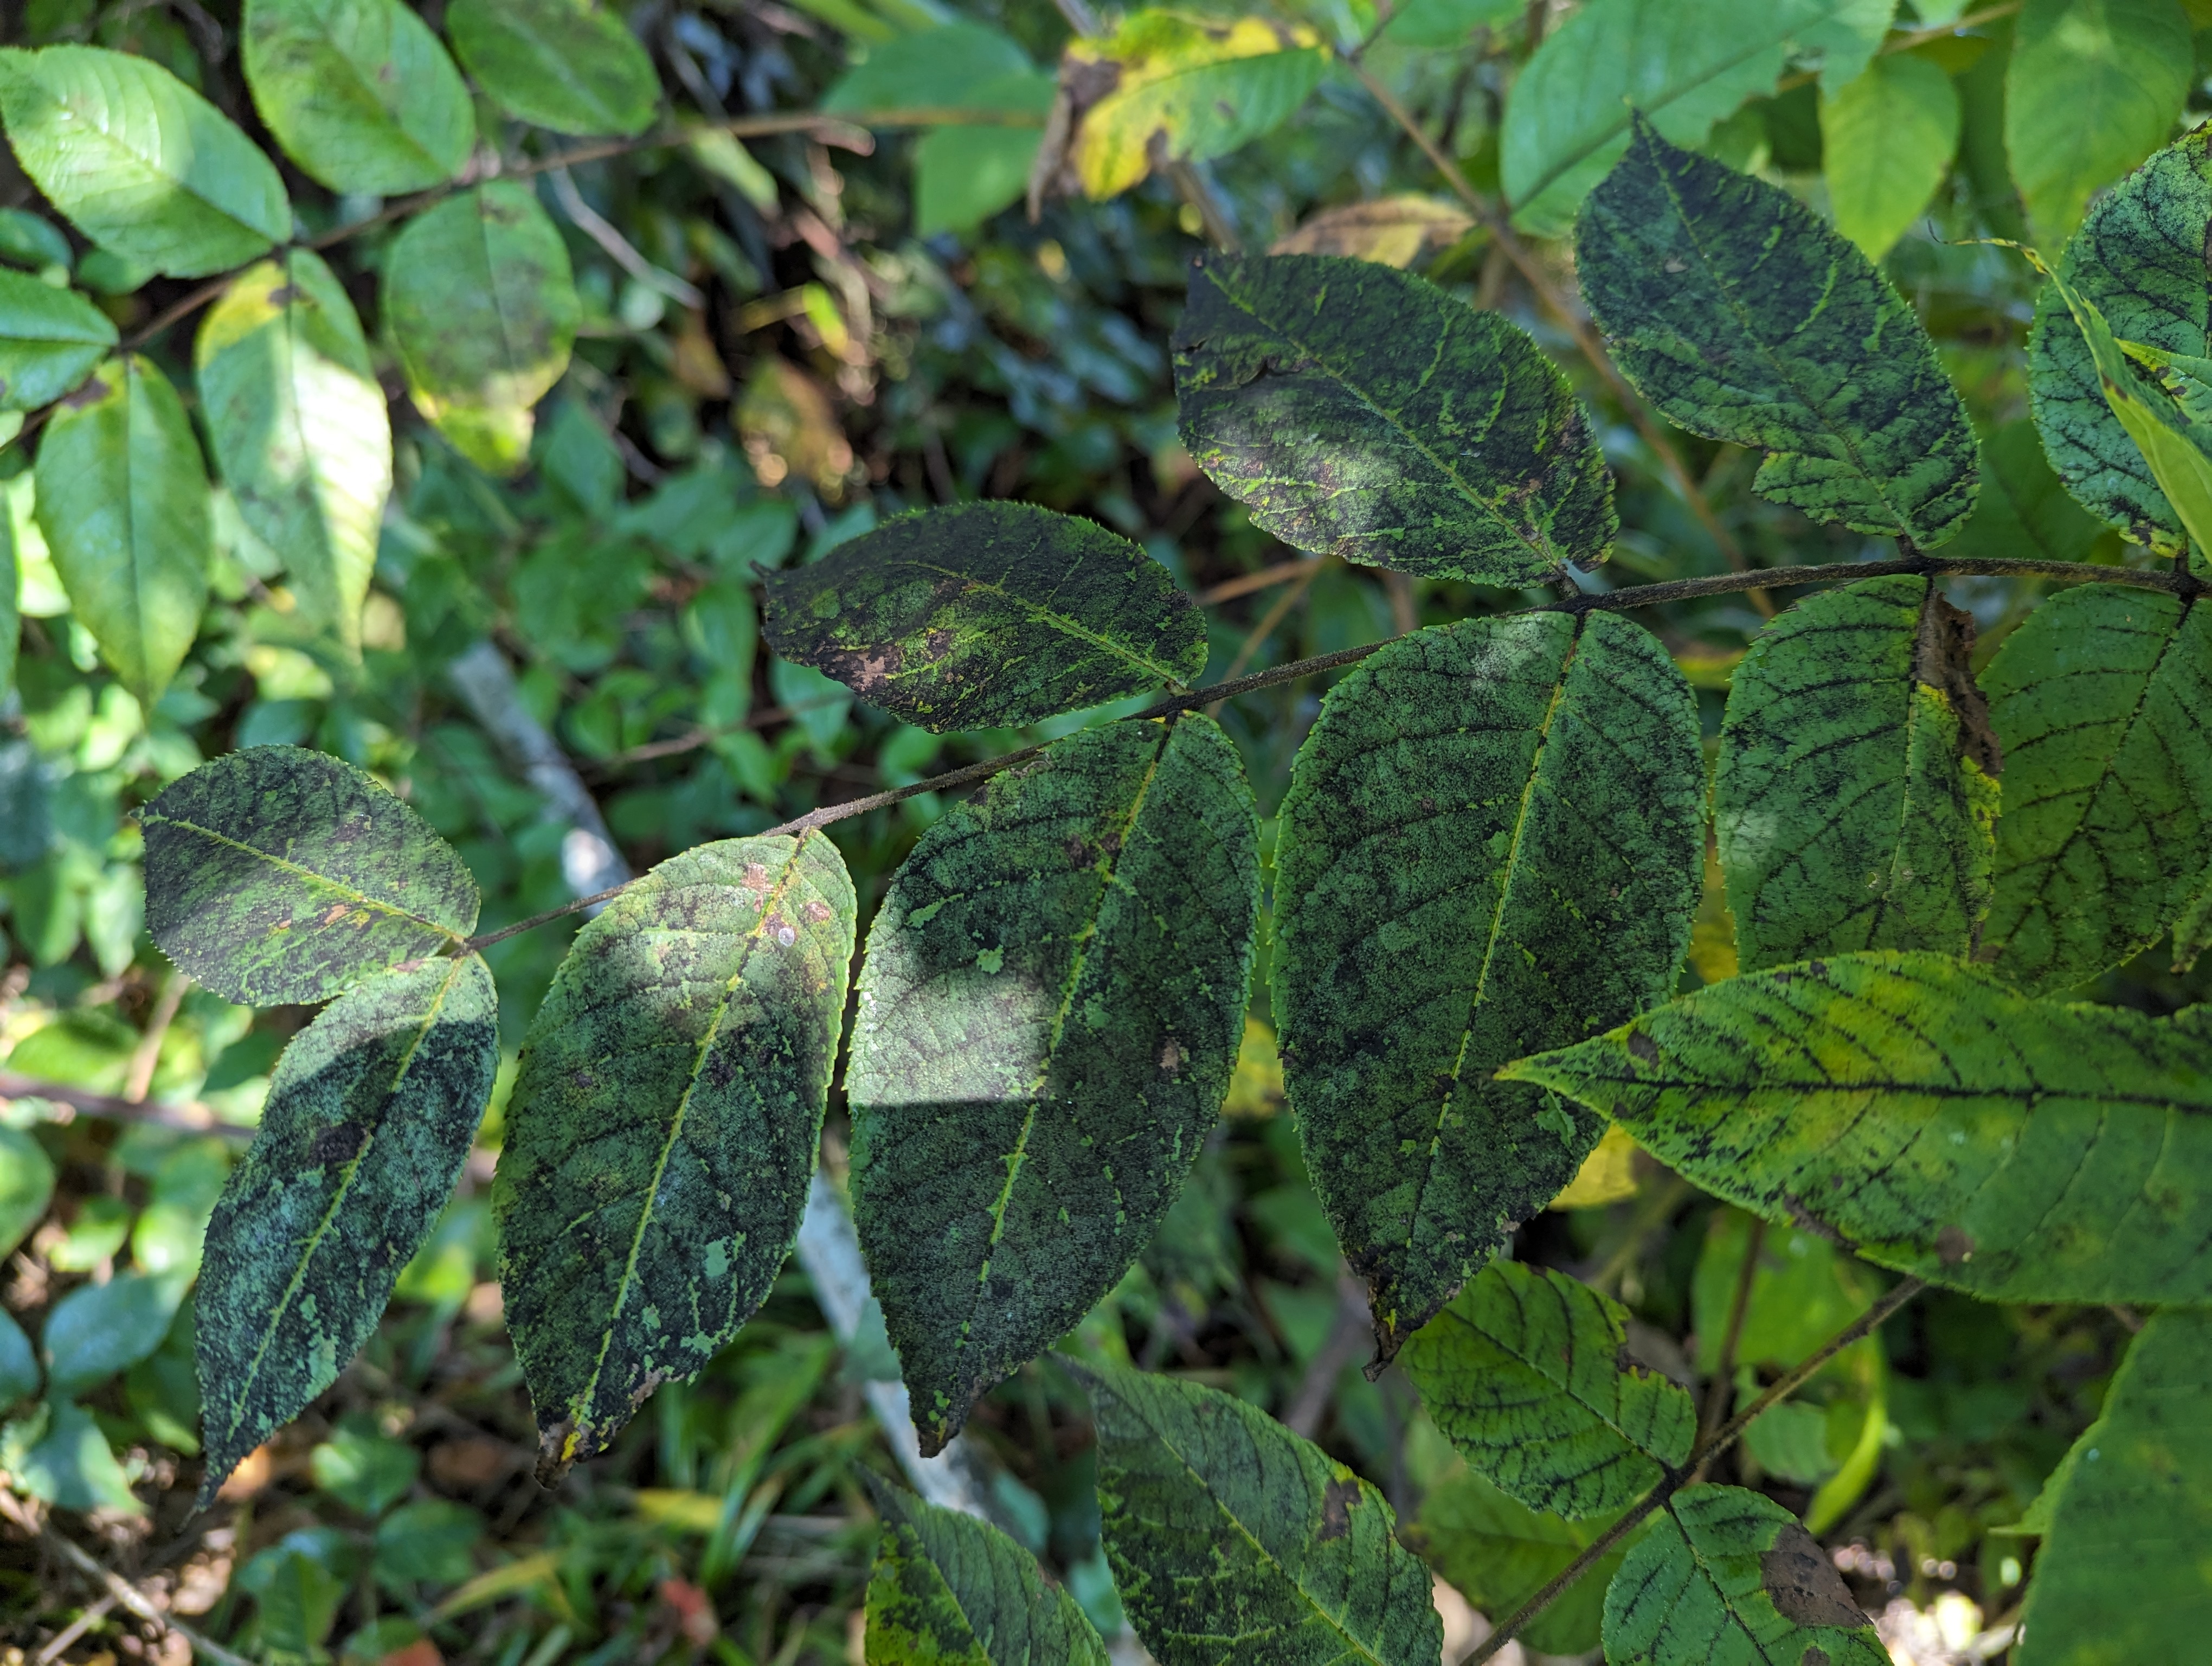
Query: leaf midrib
x=338 y=1199
x=361 y=898
x=98 y=130
x=1040 y=614
x=580 y=1404
x=1258 y=1547
x=390 y=113
x=1905 y=523
x=1467 y=493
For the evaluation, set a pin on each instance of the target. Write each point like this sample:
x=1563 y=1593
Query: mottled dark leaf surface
x=278 y=874
x=1932 y=1119
x=1527 y=1373
x=1724 y=1574
x=1491 y=846
x=2139 y=260
x=1051 y=1010
x=986 y=615
x=663 y=1127
x=2100 y=698
x=1234 y=1542
x=2121 y=1574
x=1743 y=318
x=1363 y=411
x=950 y=1590
x=1856 y=798
x=369 y=1118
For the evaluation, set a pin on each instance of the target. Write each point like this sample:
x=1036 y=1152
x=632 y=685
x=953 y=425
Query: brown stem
x=1266 y=579
x=1555 y=300
x=113 y=1584
x=1717 y=1391
x=148 y=1053
x=1702 y=1455
x=1615 y=601
x=1278 y=611
x=193 y=1116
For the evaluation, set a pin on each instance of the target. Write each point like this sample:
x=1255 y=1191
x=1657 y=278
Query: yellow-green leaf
x=570 y=65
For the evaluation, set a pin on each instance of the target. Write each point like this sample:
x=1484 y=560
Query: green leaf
x=359 y=93
x=571 y=65
x=1492 y=844
x=662 y=1130
x=1527 y=1373
x=370 y=1116
x=428 y=1540
x=1499 y=1553
x=1744 y=318
x=1183 y=89
x=1049 y=1016
x=2023 y=508
x=27 y=1187
x=123 y=503
x=986 y=615
x=1856 y=797
x=300 y=429
x=1932 y=1119
x=2093 y=87
x=2100 y=697
x=19 y=1366
x=2122 y=1574
x=50 y=341
x=950 y=1590
x=364 y=1469
x=1886 y=140
x=139 y=162
x=1684 y=63
x=278 y=875
x=2138 y=262
x=1448 y=23
x=936 y=67
x=1727 y=1575
x=100 y=1330
x=73 y=1467
x=1363 y=411
x=963 y=175
x=1234 y=1542
x=482 y=305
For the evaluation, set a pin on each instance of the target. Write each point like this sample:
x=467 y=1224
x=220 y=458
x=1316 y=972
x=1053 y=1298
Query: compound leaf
x=950 y=1590
x=1049 y=1016
x=481 y=304
x=1856 y=798
x=301 y=430
x=1492 y=844
x=2121 y=1574
x=570 y=65
x=122 y=499
x=370 y=1116
x=1744 y=318
x=1499 y=1553
x=2100 y=698
x=1363 y=411
x=277 y=875
x=140 y=163
x=1724 y=1574
x=1931 y=1118
x=987 y=614
x=1886 y=141
x=359 y=93
x=663 y=1127
x=1234 y=1542
x=1182 y=89
x=1684 y=63
x=2138 y=265
x=2091 y=89
x=1527 y=1372
x=50 y=341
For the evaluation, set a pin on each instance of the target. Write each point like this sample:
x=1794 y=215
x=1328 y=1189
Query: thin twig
x=1705 y=1452
x=1717 y=1391
x=191 y=1115
x=1266 y=579
x=125 y=1594
x=1278 y=611
x=1615 y=601
x=148 y=1053
x=1555 y=300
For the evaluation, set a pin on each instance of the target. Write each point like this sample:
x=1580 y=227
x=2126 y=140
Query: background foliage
x=748 y=351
